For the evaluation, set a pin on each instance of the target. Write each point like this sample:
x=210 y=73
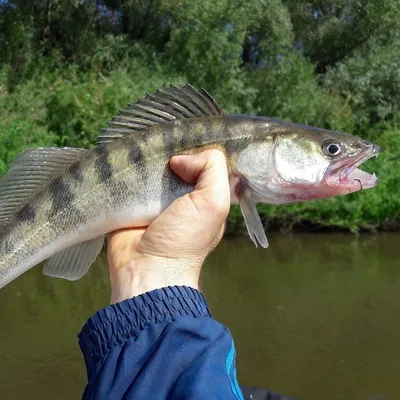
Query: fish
x=57 y=204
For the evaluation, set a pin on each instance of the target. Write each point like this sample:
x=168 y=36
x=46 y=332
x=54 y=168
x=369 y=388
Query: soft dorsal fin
x=163 y=106
x=29 y=173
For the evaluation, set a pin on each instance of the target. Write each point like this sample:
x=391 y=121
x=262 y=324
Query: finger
x=208 y=171
x=123 y=236
x=189 y=167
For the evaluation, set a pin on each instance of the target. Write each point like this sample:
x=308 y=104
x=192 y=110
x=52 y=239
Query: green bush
x=67 y=67
x=18 y=134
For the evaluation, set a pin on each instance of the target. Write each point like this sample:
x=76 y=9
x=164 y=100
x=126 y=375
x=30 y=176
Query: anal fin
x=74 y=262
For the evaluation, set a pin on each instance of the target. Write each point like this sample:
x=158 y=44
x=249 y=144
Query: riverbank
x=294 y=223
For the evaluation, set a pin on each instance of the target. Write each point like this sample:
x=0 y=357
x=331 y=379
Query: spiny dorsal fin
x=165 y=105
x=29 y=173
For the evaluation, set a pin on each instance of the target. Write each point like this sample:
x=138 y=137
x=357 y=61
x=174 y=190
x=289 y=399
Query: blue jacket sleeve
x=160 y=345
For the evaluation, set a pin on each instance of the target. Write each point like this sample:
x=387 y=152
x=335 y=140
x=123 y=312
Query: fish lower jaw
x=357 y=179
x=367 y=180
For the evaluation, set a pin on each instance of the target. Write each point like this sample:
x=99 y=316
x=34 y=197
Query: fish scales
x=126 y=181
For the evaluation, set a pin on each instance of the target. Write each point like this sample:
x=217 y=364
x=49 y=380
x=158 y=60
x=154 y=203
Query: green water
x=313 y=316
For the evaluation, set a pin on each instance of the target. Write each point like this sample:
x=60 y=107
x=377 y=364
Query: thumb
x=208 y=172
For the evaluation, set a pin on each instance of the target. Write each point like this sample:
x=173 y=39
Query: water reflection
x=314 y=316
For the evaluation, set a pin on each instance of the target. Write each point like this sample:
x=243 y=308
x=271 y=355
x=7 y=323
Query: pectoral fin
x=252 y=219
x=74 y=262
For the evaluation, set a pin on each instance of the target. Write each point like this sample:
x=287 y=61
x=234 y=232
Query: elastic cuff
x=119 y=322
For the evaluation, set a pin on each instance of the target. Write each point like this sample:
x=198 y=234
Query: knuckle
x=216 y=156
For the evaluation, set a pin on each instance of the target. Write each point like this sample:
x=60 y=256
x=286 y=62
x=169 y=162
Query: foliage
x=370 y=80
x=66 y=67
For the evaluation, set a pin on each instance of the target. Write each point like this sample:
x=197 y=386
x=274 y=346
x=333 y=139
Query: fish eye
x=331 y=149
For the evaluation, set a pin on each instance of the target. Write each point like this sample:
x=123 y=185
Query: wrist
x=144 y=275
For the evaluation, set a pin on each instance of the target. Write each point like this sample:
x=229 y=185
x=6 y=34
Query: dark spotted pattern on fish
x=61 y=195
x=103 y=166
x=119 y=192
x=169 y=183
x=136 y=157
x=231 y=145
x=184 y=141
x=69 y=220
x=197 y=137
x=8 y=245
x=26 y=214
x=168 y=140
x=75 y=172
x=221 y=127
x=135 y=152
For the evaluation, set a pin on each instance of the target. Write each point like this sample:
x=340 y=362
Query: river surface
x=314 y=316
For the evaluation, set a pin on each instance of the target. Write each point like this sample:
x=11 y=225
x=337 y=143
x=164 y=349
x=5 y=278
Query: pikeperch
x=57 y=204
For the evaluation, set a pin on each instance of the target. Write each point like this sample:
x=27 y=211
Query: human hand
x=172 y=249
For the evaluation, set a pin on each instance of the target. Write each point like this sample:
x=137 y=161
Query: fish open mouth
x=350 y=176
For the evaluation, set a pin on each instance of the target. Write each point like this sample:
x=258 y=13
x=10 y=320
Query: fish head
x=304 y=163
x=343 y=175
